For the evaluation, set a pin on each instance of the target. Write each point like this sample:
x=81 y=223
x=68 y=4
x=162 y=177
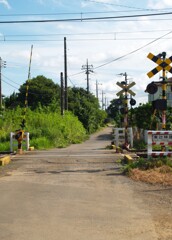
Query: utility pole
x=62 y=94
x=2 y=65
x=105 y=103
x=65 y=75
x=88 y=69
x=97 y=90
x=102 y=100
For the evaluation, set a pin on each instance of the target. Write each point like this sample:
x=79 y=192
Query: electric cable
x=83 y=19
x=136 y=50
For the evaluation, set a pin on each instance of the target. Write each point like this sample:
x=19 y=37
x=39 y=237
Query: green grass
x=146 y=164
x=46 y=129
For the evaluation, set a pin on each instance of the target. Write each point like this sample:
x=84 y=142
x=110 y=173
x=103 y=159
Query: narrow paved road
x=75 y=193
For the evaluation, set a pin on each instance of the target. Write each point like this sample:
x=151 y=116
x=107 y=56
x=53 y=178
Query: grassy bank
x=47 y=129
x=155 y=170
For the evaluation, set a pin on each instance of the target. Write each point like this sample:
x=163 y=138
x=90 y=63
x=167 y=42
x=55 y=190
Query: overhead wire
x=119 y=5
x=39 y=37
x=136 y=50
x=83 y=19
x=125 y=55
x=30 y=92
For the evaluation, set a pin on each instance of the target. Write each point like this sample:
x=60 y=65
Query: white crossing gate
x=161 y=138
x=14 y=142
x=119 y=136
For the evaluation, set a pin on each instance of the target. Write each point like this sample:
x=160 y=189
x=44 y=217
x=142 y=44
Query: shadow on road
x=116 y=171
x=103 y=137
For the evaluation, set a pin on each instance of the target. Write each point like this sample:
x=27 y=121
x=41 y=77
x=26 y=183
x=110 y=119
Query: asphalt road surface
x=78 y=193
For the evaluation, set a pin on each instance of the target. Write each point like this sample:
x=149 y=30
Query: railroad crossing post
x=125 y=90
x=164 y=87
x=164 y=65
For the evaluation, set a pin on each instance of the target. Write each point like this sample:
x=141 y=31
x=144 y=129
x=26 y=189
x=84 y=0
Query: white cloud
x=5 y=3
x=48 y=56
x=159 y=4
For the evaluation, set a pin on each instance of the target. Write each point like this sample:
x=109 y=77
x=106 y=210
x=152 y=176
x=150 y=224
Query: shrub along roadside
x=146 y=164
x=155 y=170
x=47 y=129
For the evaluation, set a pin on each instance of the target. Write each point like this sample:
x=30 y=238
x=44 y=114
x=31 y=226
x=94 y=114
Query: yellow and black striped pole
x=27 y=92
x=19 y=134
x=164 y=88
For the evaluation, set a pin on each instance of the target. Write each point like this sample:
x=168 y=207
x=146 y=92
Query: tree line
x=44 y=93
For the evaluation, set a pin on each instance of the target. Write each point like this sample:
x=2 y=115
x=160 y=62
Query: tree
x=85 y=105
x=142 y=116
x=11 y=101
x=42 y=91
x=114 y=110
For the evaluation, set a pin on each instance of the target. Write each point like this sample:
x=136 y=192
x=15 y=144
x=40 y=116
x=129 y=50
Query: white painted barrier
x=119 y=136
x=14 y=142
x=162 y=138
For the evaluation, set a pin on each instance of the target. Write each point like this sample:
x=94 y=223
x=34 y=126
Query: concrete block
x=127 y=158
x=5 y=160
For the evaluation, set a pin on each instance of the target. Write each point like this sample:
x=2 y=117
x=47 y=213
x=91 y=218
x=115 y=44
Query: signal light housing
x=151 y=88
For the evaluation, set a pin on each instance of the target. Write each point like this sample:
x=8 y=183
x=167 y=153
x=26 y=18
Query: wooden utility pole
x=65 y=75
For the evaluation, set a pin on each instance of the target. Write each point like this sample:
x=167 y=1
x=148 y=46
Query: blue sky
x=101 y=42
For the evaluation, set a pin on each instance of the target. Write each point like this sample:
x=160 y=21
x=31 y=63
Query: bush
x=47 y=129
x=145 y=164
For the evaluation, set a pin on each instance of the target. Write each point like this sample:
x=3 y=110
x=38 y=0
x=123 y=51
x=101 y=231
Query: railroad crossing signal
x=125 y=88
x=163 y=64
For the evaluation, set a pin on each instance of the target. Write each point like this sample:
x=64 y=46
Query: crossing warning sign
x=163 y=64
x=125 y=88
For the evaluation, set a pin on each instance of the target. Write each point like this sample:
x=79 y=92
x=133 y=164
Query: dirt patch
x=161 y=175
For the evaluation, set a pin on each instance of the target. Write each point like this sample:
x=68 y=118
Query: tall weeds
x=47 y=129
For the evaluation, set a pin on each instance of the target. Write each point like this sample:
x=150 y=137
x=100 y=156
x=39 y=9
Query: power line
x=10 y=80
x=19 y=85
x=114 y=34
x=87 y=39
x=83 y=19
x=119 y=5
x=136 y=9
x=84 y=33
x=136 y=50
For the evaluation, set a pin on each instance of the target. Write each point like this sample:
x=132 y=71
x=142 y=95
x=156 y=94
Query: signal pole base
x=19 y=151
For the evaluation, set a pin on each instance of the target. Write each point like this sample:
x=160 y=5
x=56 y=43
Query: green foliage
x=85 y=106
x=142 y=116
x=47 y=129
x=139 y=144
x=42 y=92
x=114 y=112
x=145 y=164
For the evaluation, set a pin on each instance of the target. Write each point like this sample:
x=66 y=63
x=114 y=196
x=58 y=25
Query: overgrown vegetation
x=46 y=126
x=139 y=144
x=44 y=92
x=154 y=170
x=47 y=129
x=142 y=116
x=145 y=164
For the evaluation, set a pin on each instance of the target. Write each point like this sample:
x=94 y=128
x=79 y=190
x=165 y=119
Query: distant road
x=76 y=193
